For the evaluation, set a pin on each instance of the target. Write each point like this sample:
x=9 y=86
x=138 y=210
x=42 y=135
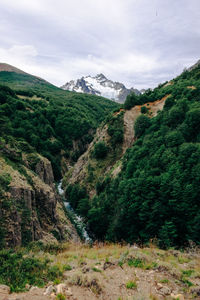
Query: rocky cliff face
x=30 y=208
x=101 y=86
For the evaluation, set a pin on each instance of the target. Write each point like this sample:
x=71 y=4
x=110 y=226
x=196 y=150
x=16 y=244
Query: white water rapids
x=77 y=219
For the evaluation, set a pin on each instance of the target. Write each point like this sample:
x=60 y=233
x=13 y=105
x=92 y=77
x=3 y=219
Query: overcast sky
x=137 y=42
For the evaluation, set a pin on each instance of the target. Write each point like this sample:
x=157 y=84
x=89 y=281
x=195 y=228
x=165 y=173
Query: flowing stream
x=79 y=223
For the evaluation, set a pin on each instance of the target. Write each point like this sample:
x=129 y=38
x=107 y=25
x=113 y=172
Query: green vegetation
x=131 y=285
x=17 y=269
x=100 y=150
x=185 y=275
x=49 y=119
x=60 y=297
x=141 y=263
x=132 y=100
x=116 y=129
x=39 y=118
x=141 y=124
x=164 y=281
x=28 y=267
x=67 y=268
x=144 y=110
x=156 y=194
x=136 y=262
x=96 y=270
x=105 y=153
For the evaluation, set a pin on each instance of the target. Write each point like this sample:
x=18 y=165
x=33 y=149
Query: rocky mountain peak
x=101 y=86
x=100 y=77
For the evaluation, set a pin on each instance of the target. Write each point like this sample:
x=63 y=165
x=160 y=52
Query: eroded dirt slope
x=79 y=172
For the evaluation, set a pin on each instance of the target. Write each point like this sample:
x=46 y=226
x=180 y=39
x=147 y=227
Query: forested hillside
x=156 y=194
x=43 y=131
x=54 y=122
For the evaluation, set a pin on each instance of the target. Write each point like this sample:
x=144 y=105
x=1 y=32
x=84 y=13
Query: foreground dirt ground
x=116 y=272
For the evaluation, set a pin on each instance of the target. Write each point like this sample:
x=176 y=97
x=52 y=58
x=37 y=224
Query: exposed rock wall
x=29 y=207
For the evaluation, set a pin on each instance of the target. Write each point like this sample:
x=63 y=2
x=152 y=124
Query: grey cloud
x=137 y=42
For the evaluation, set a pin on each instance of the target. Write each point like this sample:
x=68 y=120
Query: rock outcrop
x=30 y=205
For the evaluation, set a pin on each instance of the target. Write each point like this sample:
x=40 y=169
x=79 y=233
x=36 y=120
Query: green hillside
x=56 y=123
x=156 y=195
x=41 y=127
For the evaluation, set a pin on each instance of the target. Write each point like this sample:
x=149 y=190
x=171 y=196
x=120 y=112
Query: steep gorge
x=78 y=174
x=31 y=209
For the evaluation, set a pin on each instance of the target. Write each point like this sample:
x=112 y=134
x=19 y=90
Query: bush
x=116 y=130
x=167 y=235
x=176 y=116
x=60 y=297
x=100 y=150
x=141 y=124
x=193 y=121
x=16 y=270
x=5 y=180
x=131 y=285
x=131 y=100
x=169 y=102
x=144 y=110
x=174 y=138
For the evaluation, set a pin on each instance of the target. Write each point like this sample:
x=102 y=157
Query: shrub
x=193 y=121
x=60 y=297
x=174 y=138
x=176 y=116
x=116 y=133
x=5 y=180
x=144 y=110
x=131 y=100
x=16 y=270
x=135 y=262
x=67 y=268
x=169 y=102
x=141 y=124
x=131 y=285
x=100 y=150
x=167 y=235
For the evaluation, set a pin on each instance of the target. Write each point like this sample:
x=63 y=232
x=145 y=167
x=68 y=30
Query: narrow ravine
x=78 y=221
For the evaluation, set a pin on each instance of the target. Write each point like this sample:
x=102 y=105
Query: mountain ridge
x=4 y=67
x=100 y=85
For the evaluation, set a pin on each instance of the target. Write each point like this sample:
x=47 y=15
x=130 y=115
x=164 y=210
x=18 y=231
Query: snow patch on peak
x=101 y=86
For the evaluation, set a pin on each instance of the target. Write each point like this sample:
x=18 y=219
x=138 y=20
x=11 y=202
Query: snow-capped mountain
x=101 y=86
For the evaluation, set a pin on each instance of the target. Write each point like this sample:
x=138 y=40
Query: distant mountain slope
x=18 y=79
x=101 y=86
x=9 y=68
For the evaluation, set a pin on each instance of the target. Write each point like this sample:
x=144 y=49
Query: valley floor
x=120 y=272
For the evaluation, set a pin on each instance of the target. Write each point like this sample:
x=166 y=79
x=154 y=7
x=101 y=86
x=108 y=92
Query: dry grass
x=105 y=271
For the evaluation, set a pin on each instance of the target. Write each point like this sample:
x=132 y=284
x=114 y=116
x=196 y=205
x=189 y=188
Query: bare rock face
x=28 y=210
x=4 y=289
x=44 y=170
